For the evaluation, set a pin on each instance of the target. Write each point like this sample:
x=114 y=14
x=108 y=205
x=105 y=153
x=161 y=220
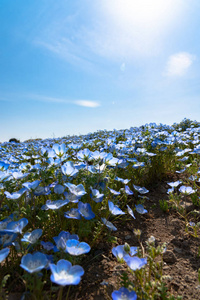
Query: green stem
x=68 y=293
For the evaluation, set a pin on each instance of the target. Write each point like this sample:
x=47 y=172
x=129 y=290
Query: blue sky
x=77 y=66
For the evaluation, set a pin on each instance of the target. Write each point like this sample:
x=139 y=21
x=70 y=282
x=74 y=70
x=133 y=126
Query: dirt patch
x=181 y=261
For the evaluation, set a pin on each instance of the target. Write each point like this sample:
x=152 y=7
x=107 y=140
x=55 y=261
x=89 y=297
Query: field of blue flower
x=60 y=199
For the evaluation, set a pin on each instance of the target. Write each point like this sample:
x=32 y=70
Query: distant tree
x=13 y=140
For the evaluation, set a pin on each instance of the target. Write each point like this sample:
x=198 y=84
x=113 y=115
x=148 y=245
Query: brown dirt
x=102 y=271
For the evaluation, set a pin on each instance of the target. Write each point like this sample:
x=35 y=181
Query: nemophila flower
x=125 y=181
x=41 y=190
x=135 y=263
x=114 y=209
x=54 y=204
x=124 y=294
x=69 y=169
x=114 y=192
x=62 y=238
x=47 y=245
x=138 y=165
x=73 y=213
x=32 y=237
x=92 y=169
x=141 y=190
x=193 y=177
x=84 y=154
x=4 y=223
x=120 y=251
x=170 y=190
x=60 y=150
x=15 y=195
x=7 y=238
x=65 y=274
x=17 y=226
x=108 y=224
x=3 y=165
x=4 y=253
x=96 y=195
x=31 y=185
x=140 y=209
x=186 y=190
x=34 y=262
x=130 y=211
x=71 y=197
x=181 y=171
x=59 y=189
x=19 y=175
x=175 y=183
x=192 y=224
x=4 y=175
x=77 y=190
x=128 y=190
x=86 y=210
x=74 y=247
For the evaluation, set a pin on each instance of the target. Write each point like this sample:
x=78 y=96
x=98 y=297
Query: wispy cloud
x=42 y=98
x=87 y=103
x=178 y=64
x=113 y=30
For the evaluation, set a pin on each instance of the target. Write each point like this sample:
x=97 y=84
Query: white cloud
x=42 y=98
x=87 y=103
x=178 y=64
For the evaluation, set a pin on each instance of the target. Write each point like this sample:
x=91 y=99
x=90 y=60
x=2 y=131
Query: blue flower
x=124 y=293
x=125 y=181
x=74 y=247
x=114 y=192
x=60 y=150
x=96 y=196
x=84 y=154
x=175 y=183
x=47 y=245
x=71 y=197
x=140 y=209
x=4 y=253
x=73 y=213
x=186 y=190
x=120 y=251
x=86 y=210
x=130 y=211
x=114 y=209
x=77 y=190
x=69 y=169
x=34 y=262
x=59 y=189
x=62 y=238
x=32 y=237
x=128 y=190
x=65 y=274
x=17 y=226
x=7 y=237
x=15 y=195
x=135 y=263
x=54 y=204
x=141 y=190
x=31 y=185
x=108 y=224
